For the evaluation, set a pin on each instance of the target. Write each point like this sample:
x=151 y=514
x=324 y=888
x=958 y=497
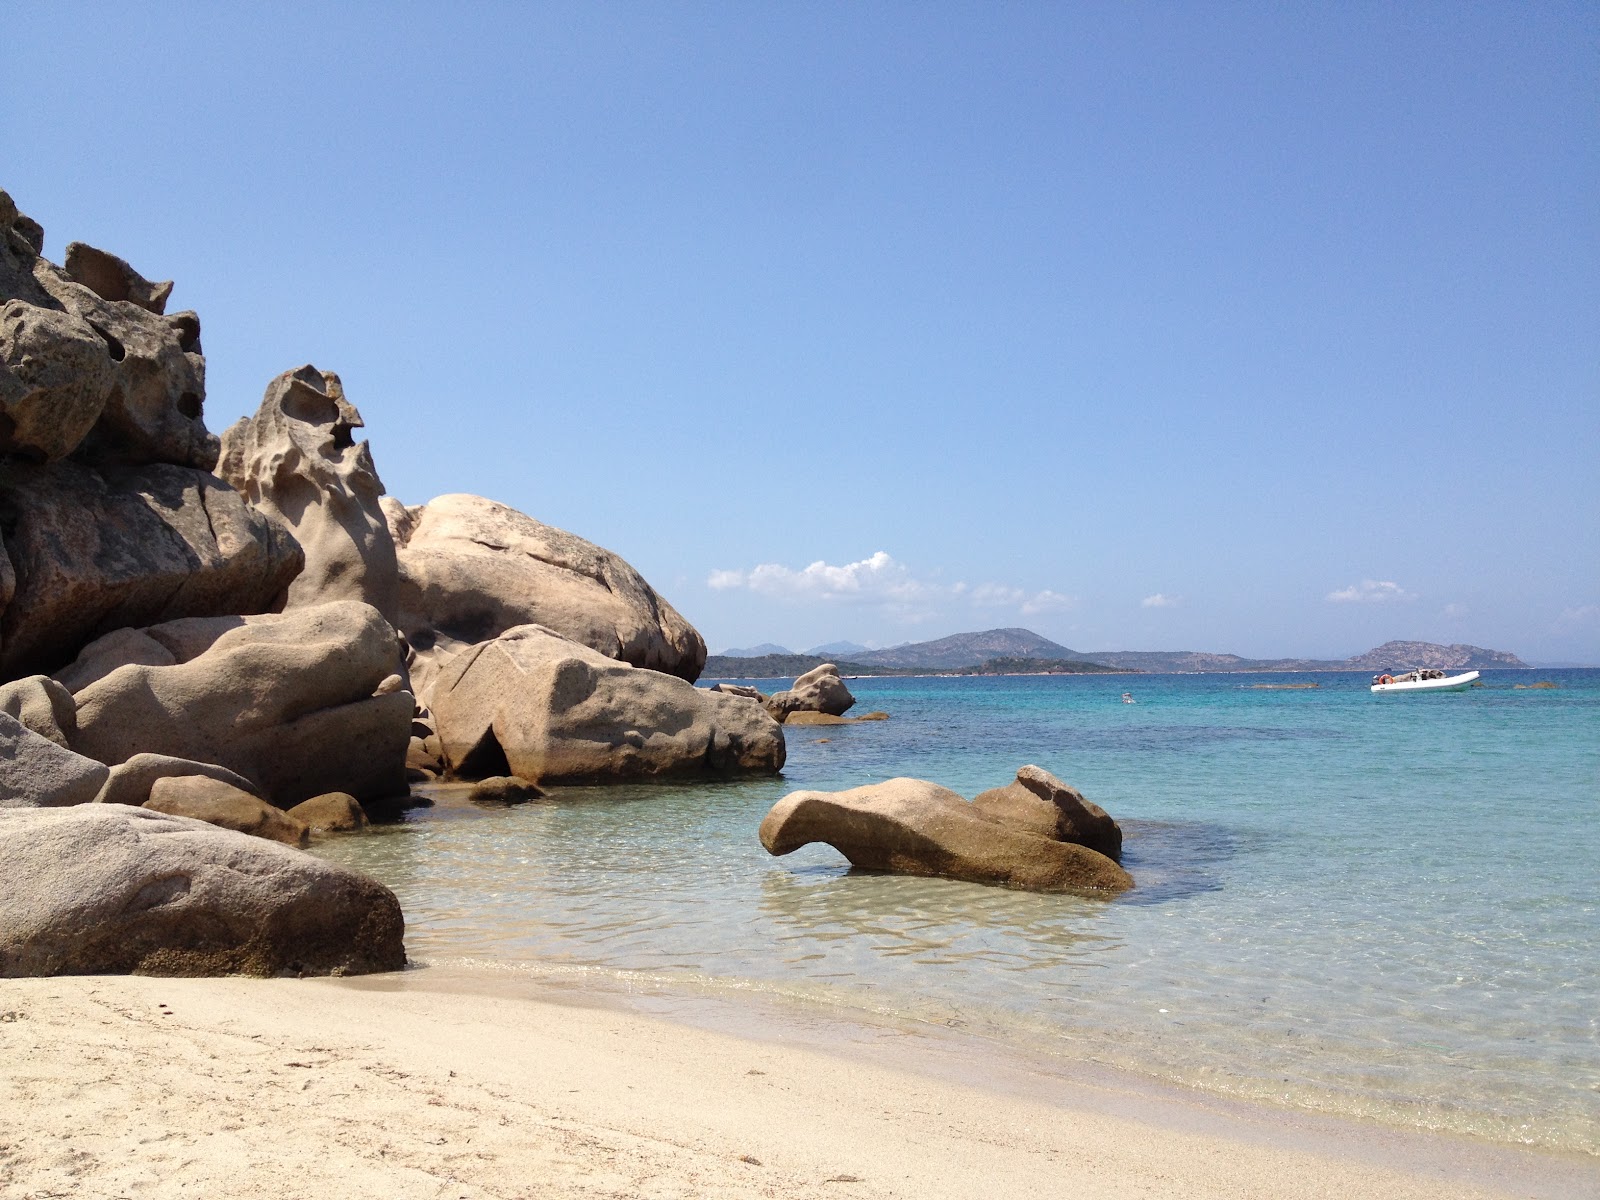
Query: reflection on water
x=1380 y=909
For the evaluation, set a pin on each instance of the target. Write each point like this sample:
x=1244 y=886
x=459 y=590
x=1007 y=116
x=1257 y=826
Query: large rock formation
x=99 y=550
x=471 y=569
x=90 y=363
x=535 y=705
x=818 y=690
x=913 y=827
x=107 y=514
x=105 y=889
x=297 y=461
x=285 y=700
x=1039 y=802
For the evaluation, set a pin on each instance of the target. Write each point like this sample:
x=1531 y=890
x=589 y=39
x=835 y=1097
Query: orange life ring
x=1385 y=678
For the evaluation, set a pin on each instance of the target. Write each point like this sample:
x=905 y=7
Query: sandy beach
x=456 y=1083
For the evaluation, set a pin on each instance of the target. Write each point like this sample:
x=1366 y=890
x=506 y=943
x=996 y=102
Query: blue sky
x=1268 y=329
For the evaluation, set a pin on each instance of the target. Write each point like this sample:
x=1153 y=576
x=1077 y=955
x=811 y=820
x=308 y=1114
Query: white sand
x=450 y=1084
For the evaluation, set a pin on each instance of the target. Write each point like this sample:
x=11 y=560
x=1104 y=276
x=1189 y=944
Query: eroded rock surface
x=90 y=363
x=535 y=705
x=1040 y=802
x=914 y=827
x=331 y=812
x=284 y=700
x=819 y=690
x=37 y=773
x=471 y=569
x=131 y=782
x=296 y=460
x=95 y=551
x=223 y=805
x=106 y=889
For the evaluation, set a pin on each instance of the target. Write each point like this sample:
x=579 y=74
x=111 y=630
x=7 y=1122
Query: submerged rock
x=105 y=889
x=914 y=827
x=533 y=704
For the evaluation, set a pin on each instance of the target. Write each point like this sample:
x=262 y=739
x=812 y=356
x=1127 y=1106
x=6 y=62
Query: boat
x=1425 y=679
x=1127 y=698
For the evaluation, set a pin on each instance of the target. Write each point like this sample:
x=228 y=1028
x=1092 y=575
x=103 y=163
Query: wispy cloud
x=1454 y=612
x=1583 y=614
x=1159 y=600
x=882 y=580
x=1371 y=591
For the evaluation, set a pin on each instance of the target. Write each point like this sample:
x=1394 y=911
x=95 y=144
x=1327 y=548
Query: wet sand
x=458 y=1083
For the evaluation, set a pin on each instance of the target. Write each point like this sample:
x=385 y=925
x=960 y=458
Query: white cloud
x=1454 y=612
x=1047 y=601
x=1159 y=600
x=1370 y=591
x=880 y=579
x=1583 y=614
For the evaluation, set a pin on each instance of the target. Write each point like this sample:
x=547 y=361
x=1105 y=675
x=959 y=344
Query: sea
x=1381 y=906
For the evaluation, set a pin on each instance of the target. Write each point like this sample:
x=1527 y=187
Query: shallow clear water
x=1384 y=906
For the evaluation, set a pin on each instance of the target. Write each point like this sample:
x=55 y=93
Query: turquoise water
x=1380 y=906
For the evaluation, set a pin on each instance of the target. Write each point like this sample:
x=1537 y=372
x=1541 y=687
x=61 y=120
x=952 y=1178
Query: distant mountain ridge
x=969 y=650
x=1027 y=652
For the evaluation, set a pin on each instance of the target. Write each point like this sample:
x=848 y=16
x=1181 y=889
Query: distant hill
x=1023 y=652
x=1405 y=655
x=847 y=649
x=1389 y=656
x=968 y=650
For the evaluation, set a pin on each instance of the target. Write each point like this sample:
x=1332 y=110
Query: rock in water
x=818 y=690
x=471 y=569
x=537 y=706
x=331 y=812
x=106 y=889
x=284 y=700
x=97 y=550
x=1041 y=802
x=913 y=827
x=297 y=461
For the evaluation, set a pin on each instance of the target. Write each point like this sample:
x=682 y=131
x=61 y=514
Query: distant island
x=1023 y=652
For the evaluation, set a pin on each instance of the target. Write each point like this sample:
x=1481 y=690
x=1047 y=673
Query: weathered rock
x=44 y=706
x=503 y=789
x=806 y=717
x=284 y=700
x=130 y=782
x=296 y=460
x=106 y=889
x=471 y=569
x=533 y=704
x=111 y=278
x=221 y=804
x=99 y=550
x=913 y=827
x=1041 y=803
x=739 y=689
x=818 y=690
x=37 y=773
x=90 y=364
x=331 y=812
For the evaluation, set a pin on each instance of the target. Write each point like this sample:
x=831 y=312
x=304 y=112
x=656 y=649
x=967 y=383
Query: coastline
x=452 y=1081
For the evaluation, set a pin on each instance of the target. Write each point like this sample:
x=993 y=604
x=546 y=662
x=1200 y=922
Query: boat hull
x=1450 y=683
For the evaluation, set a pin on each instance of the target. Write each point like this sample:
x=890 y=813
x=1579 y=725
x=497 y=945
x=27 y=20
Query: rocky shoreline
x=213 y=648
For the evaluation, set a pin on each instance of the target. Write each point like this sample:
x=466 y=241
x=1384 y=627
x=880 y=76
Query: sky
x=1271 y=329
